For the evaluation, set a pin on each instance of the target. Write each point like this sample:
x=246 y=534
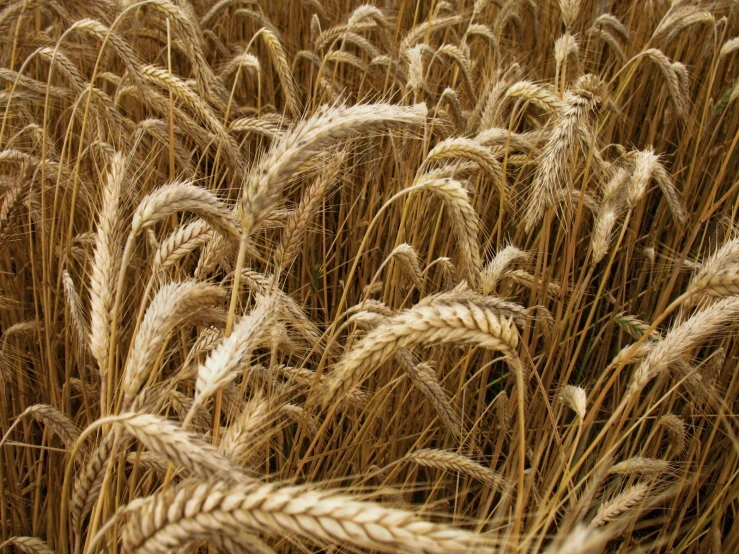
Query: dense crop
x=323 y=276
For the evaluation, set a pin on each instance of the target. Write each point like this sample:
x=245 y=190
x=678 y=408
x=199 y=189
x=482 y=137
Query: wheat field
x=418 y=276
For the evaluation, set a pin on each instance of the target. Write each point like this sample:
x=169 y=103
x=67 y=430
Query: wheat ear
x=106 y=264
x=264 y=185
x=621 y=503
x=28 y=545
x=719 y=274
x=701 y=326
x=449 y=461
x=191 y=511
x=225 y=361
x=466 y=321
x=172 y=304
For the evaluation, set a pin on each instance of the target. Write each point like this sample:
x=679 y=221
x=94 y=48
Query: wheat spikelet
x=150 y=461
x=613 y=23
x=185 y=449
x=486 y=33
x=467 y=321
x=122 y=47
x=608 y=214
x=576 y=399
x=176 y=197
x=508 y=13
x=647 y=167
x=76 y=311
x=674 y=84
x=719 y=274
x=192 y=511
x=88 y=484
x=32 y=85
x=420 y=31
x=287 y=308
x=467 y=148
x=180 y=242
x=106 y=264
x=255 y=125
x=675 y=428
x=424 y=379
x=83 y=387
x=538 y=95
x=28 y=545
x=217 y=8
x=681 y=339
x=207 y=340
x=553 y=173
x=366 y=13
x=495 y=268
x=184 y=22
x=621 y=503
x=242 y=438
x=463 y=62
x=713 y=368
x=731 y=45
x=175 y=86
x=297 y=223
x=12 y=200
x=635 y=326
x=279 y=61
x=464 y=220
x=566 y=47
x=172 y=304
x=638 y=465
x=225 y=361
x=55 y=420
x=264 y=185
x=409 y=259
x=415 y=82
x=679 y=18
x=449 y=461
x=159 y=131
x=522 y=277
x=610 y=40
x=297 y=414
x=569 y=9
x=241 y=60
